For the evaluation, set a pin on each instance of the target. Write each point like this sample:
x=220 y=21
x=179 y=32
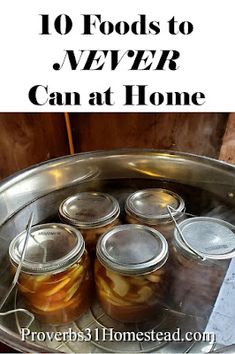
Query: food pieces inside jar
x=130 y=298
x=92 y=235
x=58 y=298
x=166 y=229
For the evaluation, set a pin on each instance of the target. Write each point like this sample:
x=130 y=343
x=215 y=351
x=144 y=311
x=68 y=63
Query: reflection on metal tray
x=207 y=186
x=100 y=328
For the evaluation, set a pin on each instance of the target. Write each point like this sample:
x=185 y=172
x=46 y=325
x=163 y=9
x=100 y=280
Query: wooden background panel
x=26 y=139
x=199 y=133
x=227 y=152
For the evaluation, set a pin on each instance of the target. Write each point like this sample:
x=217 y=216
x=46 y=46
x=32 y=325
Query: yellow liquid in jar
x=130 y=298
x=58 y=298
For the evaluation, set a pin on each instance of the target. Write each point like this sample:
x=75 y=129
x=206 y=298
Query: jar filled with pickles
x=150 y=207
x=202 y=249
x=93 y=213
x=130 y=273
x=55 y=280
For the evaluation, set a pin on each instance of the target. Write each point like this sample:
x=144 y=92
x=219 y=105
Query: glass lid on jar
x=150 y=205
x=50 y=248
x=89 y=209
x=209 y=237
x=132 y=249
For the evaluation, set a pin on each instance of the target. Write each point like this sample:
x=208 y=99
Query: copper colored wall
x=227 y=152
x=199 y=133
x=26 y=139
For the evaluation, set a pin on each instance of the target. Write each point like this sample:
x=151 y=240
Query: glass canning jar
x=149 y=207
x=130 y=273
x=93 y=213
x=199 y=263
x=55 y=279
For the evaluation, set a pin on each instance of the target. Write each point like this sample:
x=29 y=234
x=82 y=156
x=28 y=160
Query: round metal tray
x=206 y=185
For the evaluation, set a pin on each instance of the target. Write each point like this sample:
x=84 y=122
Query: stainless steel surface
x=181 y=235
x=150 y=205
x=208 y=237
x=20 y=263
x=225 y=349
x=89 y=209
x=208 y=184
x=6 y=296
x=132 y=249
x=51 y=248
x=42 y=179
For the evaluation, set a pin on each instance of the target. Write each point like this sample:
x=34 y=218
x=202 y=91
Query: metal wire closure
x=16 y=277
x=169 y=208
x=20 y=311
